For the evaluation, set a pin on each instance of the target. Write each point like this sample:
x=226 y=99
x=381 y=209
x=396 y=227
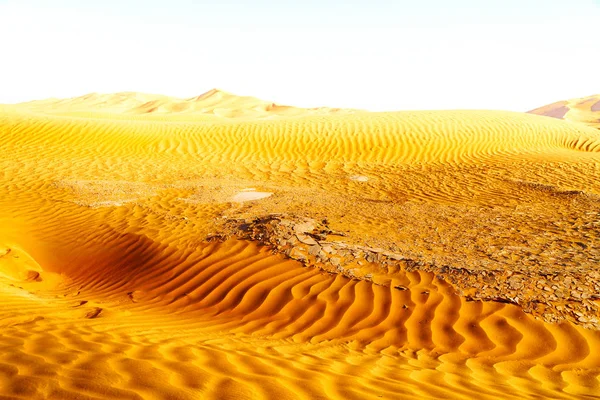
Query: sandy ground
x=115 y=281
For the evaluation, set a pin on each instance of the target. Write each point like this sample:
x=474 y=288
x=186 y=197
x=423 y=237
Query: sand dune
x=585 y=110
x=214 y=103
x=120 y=277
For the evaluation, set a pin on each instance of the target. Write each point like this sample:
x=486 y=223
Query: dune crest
x=226 y=247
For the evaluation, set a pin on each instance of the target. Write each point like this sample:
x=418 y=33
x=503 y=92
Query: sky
x=369 y=54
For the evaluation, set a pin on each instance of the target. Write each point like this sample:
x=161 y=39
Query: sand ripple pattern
x=237 y=314
x=450 y=137
x=109 y=290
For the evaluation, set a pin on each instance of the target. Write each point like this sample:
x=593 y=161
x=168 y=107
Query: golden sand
x=110 y=289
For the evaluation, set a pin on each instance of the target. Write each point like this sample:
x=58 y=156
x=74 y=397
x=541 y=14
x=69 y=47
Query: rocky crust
x=543 y=292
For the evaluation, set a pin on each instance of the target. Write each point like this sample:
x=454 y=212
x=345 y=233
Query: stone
x=336 y=261
x=314 y=250
x=515 y=282
x=297 y=254
x=328 y=248
x=306 y=239
x=321 y=257
x=395 y=256
x=307 y=226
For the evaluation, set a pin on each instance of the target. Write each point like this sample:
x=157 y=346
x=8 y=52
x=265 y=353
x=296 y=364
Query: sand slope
x=585 y=110
x=109 y=288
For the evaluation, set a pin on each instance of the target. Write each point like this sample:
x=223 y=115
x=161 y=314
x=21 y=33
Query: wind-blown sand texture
x=129 y=271
x=585 y=110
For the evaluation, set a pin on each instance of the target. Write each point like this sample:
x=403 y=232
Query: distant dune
x=585 y=110
x=224 y=247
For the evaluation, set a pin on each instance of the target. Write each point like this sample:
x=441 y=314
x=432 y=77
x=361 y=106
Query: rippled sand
x=110 y=289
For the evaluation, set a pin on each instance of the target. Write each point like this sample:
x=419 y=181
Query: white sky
x=370 y=54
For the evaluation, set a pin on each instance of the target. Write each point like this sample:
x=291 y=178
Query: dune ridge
x=116 y=281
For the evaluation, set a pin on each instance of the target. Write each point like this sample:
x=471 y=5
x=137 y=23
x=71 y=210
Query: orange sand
x=109 y=290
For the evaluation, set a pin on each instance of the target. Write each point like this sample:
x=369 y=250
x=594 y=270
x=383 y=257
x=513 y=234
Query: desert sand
x=224 y=247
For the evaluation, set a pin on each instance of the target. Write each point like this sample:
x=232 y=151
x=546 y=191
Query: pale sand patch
x=249 y=195
x=359 y=178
